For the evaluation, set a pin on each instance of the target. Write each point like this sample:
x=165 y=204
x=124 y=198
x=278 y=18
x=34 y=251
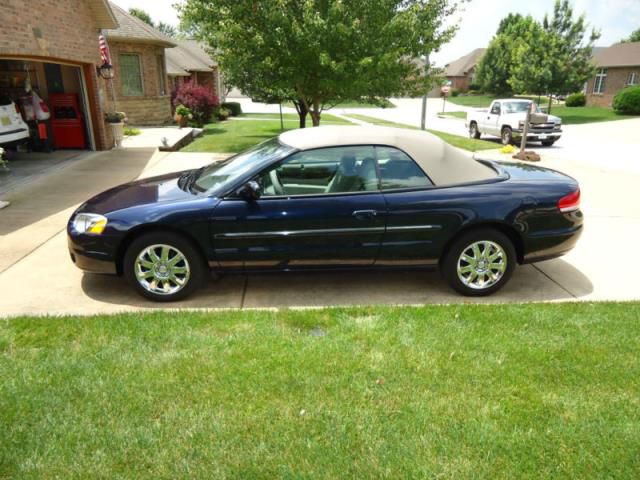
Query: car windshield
x=218 y=176
x=517 y=107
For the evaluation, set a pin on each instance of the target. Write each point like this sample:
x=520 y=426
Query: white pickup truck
x=505 y=119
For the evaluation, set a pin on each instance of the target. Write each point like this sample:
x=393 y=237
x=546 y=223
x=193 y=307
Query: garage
x=49 y=99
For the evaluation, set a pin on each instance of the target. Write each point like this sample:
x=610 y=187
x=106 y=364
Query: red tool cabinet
x=67 y=124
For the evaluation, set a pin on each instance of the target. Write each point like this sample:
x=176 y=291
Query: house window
x=632 y=78
x=601 y=76
x=130 y=74
x=162 y=88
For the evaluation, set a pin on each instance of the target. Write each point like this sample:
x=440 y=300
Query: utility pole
x=423 y=120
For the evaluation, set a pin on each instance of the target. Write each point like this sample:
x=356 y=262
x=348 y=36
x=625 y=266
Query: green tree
x=530 y=71
x=167 y=29
x=568 y=57
x=142 y=15
x=320 y=52
x=495 y=69
x=634 y=37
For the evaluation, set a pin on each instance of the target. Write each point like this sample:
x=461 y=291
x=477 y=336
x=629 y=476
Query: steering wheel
x=275 y=181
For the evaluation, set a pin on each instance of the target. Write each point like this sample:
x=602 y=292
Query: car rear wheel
x=507 y=135
x=473 y=130
x=163 y=266
x=479 y=262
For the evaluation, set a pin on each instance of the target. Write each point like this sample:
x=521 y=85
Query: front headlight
x=89 y=223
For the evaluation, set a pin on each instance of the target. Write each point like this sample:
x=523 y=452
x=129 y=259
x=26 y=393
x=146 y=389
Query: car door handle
x=362 y=214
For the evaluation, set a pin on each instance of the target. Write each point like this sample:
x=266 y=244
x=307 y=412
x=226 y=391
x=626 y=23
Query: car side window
x=320 y=171
x=398 y=170
x=495 y=110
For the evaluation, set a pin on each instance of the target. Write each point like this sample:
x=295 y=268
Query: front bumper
x=92 y=253
x=535 y=136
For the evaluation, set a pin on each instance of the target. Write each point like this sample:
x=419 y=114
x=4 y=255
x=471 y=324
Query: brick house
x=618 y=67
x=140 y=85
x=190 y=62
x=53 y=45
x=461 y=72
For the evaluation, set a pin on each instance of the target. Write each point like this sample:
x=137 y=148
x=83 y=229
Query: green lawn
x=578 y=115
x=460 y=392
x=477 y=101
x=569 y=115
x=465 y=143
x=462 y=115
x=237 y=135
x=357 y=104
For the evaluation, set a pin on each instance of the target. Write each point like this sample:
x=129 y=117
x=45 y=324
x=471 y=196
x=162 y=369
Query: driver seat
x=346 y=178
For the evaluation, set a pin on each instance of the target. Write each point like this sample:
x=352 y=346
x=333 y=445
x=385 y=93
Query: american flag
x=104 y=50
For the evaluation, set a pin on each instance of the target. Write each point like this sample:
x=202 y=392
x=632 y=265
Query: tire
x=548 y=143
x=506 y=135
x=173 y=281
x=473 y=131
x=494 y=242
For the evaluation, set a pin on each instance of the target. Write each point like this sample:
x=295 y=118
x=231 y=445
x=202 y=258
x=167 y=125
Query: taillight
x=17 y=108
x=570 y=202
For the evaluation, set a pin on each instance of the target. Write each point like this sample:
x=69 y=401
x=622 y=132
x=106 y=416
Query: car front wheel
x=163 y=266
x=479 y=262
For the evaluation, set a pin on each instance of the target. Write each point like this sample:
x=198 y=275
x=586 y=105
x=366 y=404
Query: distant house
x=461 y=72
x=618 y=66
x=140 y=85
x=190 y=62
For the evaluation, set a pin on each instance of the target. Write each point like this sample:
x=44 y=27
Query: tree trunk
x=549 y=109
x=315 y=112
x=302 y=110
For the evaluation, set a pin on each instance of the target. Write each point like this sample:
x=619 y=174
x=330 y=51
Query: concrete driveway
x=37 y=277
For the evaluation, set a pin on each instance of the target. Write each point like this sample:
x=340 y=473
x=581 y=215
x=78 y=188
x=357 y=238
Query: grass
x=131 y=131
x=579 y=115
x=237 y=135
x=462 y=115
x=569 y=115
x=503 y=391
x=384 y=103
x=470 y=144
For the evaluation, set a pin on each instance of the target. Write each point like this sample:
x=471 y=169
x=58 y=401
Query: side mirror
x=250 y=191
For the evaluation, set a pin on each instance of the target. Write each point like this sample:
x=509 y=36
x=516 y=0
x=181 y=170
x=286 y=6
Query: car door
x=419 y=218
x=493 y=119
x=318 y=208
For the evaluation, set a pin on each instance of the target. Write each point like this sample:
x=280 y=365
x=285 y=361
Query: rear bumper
x=14 y=136
x=551 y=244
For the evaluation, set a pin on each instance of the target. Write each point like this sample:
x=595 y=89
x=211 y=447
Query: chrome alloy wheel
x=162 y=269
x=482 y=264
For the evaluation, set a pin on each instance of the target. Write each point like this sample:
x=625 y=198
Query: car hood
x=152 y=190
x=516 y=117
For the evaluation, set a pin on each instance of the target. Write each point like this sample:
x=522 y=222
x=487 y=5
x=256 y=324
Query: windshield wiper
x=191 y=178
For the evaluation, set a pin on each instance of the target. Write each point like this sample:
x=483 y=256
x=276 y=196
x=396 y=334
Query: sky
x=478 y=22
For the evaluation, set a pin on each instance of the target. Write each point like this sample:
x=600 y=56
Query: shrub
x=233 y=107
x=198 y=99
x=627 y=101
x=475 y=86
x=576 y=100
x=221 y=113
x=455 y=92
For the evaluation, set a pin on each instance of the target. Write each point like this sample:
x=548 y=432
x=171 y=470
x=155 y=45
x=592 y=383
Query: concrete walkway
x=37 y=277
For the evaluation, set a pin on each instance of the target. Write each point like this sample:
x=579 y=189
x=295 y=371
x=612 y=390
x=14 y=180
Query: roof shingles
x=135 y=30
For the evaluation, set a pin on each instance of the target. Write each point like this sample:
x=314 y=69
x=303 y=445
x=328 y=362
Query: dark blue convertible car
x=330 y=198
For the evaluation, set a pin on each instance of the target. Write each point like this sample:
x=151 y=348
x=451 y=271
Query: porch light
x=105 y=70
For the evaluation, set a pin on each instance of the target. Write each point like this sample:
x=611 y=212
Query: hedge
x=627 y=101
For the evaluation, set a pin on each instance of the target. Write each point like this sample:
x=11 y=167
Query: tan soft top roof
x=445 y=164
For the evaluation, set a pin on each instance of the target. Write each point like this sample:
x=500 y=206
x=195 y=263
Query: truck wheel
x=473 y=131
x=507 y=135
